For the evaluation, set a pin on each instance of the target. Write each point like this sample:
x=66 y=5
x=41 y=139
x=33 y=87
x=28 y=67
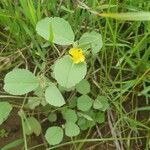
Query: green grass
x=121 y=71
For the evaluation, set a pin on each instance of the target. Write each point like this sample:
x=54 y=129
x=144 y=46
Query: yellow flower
x=77 y=55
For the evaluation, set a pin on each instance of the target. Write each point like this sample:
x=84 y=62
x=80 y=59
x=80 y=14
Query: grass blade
x=13 y=144
x=130 y=16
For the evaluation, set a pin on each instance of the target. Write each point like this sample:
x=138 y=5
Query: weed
x=80 y=67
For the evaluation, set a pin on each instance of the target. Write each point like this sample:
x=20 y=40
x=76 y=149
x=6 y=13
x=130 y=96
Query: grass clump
x=96 y=95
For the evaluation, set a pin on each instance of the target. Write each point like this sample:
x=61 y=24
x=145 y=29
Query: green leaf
x=85 y=124
x=13 y=144
x=82 y=123
x=20 y=81
x=51 y=33
x=53 y=96
x=71 y=129
x=83 y=87
x=73 y=102
x=131 y=16
x=91 y=40
x=71 y=74
x=101 y=103
x=56 y=29
x=97 y=104
x=33 y=102
x=39 y=92
x=63 y=89
x=146 y=108
x=32 y=125
x=91 y=113
x=85 y=116
x=84 y=103
x=145 y=91
x=69 y=115
x=5 y=109
x=134 y=124
x=54 y=135
x=52 y=117
x=99 y=117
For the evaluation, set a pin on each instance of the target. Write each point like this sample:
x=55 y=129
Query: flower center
x=77 y=55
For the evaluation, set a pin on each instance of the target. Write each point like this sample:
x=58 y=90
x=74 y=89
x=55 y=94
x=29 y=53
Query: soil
x=12 y=128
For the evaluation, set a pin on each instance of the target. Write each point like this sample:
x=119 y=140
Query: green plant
x=118 y=74
x=3 y=133
x=69 y=71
